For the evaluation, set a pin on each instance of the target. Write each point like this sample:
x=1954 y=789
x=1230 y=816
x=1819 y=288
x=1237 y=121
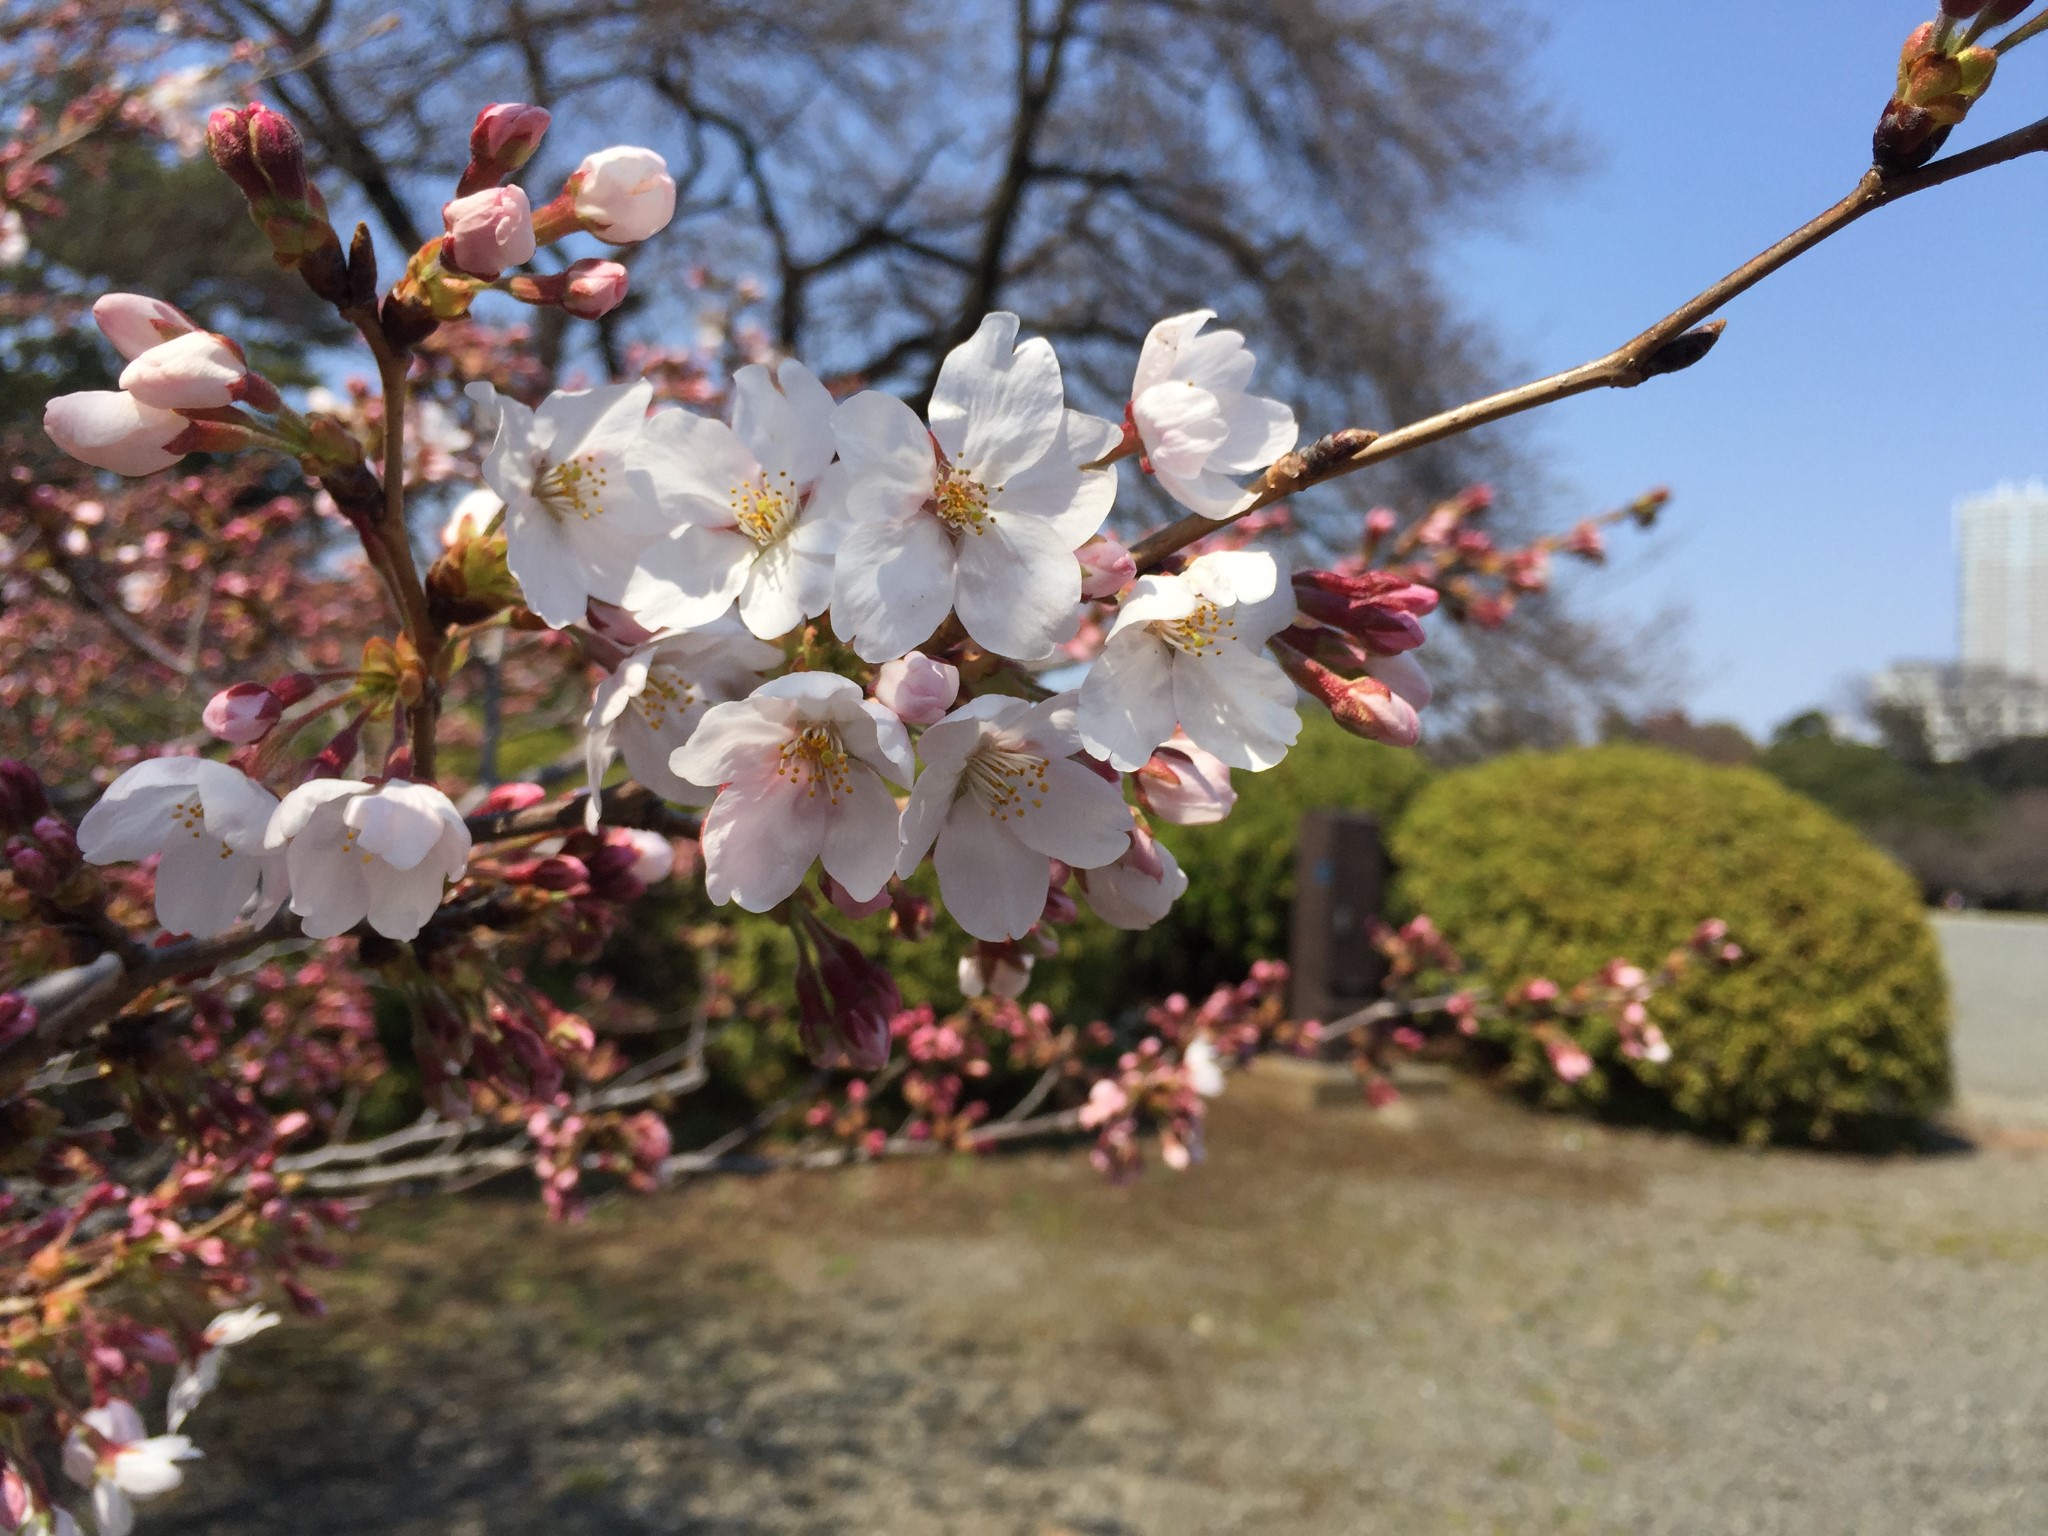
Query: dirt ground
x=1467 y=1318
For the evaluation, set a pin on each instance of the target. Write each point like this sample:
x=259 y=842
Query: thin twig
x=1670 y=345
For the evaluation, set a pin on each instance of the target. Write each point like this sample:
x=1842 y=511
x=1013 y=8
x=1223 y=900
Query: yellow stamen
x=765 y=509
x=1002 y=777
x=574 y=488
x=816 y=756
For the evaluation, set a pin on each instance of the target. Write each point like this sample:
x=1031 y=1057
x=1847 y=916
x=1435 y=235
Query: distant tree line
x=1974 y=831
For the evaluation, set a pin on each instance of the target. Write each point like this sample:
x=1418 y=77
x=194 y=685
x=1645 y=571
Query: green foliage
x=1833 y=1029
x=1872 y=787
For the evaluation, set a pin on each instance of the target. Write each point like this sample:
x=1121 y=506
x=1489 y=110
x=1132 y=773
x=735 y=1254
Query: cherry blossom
x=197 y=371
x=1000 y=795
x=1203 y=1067
x=760 y=508
x=135 y=322
x=579 y=506
x=653 y=699
x=1138 y=889
x=207 y=820
x=132 y=1465
x=800 y=766
x=201 y=1374
x=1198 y=426
x=916 y=689
x=1182 y=784
x=111 y=429
x=357 y=850
x=624 y=194
x=488 y=231
x=981 y=514
x=1186 y=650
x=242 y=713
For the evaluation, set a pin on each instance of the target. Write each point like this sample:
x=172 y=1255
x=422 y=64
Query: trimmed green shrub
x=1833 y=1029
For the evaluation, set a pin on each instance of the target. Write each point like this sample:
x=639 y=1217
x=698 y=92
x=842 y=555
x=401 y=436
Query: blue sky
x=1815 y=457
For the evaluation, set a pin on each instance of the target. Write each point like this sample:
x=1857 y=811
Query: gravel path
x=1463 y=1318
x=1998 y=975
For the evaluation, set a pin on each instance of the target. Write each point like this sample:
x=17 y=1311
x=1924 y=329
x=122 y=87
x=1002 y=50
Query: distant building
x=1965 y=707
x=2002 y=546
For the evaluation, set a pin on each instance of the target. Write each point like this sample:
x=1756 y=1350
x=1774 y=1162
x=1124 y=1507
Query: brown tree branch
x=1675 y=342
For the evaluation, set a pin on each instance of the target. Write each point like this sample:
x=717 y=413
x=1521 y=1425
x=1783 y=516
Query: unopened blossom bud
x=593 y=288
x=654 y=856
x=55 y=835
x=227 y=140
x=1185 y=785
x=1379 y=523
x=242 y=713
x=1404 y=675
x=558 y=873
x=1382 y=610
x=22 y=798
x=852 y=906
x=197 y=371
x=612 y=874
x=1568 y=1059
x=487 y=232
x=134 y=322
x=111 y=429
x=505 y=137
x=1586 y=542
x=515 y=796
x=1106 y=568
x=279 y=153
x=32 y=868
x=1000 y=970
x=623 y=194
x=1364 y=706
x=916 y=689
x=1709 y=934
x=264 y=155
x=1540 y=990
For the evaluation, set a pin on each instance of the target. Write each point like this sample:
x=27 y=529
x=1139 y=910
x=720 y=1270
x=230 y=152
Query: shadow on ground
x=1469 y=1319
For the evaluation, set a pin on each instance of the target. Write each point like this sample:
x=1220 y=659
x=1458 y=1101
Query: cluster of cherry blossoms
x=701 y=554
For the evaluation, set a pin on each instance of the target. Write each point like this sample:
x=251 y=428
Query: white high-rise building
x=2002 y=543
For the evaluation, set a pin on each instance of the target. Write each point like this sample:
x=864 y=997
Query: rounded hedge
x=1833 y=1028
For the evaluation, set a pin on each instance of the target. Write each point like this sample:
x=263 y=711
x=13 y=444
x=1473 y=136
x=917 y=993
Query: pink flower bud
x=1380 y=522
x=1404 y=676
x=506 y=135
x=1106 y=568
x=1364 y=706
x=134 y=323
x=845 y=901
x=242 y=713
x=916 y=689
x=279 y=152
x=1568 y=1059
x=488 y=231
x=111 y=429
x=624 y=194
x=654 y=856
x=1186 y=786
x=593 y=288
x=515 y=796
x=1585 y=542
x=197 y=371
x=1106 y=1101
x=1541 y=990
